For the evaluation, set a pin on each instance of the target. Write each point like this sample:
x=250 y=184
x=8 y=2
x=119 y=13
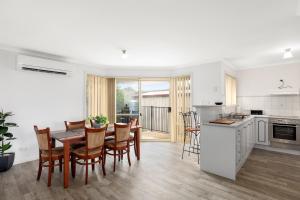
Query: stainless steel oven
x=284 y=130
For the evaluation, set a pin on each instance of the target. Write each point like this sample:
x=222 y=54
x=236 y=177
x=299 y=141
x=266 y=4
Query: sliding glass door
x=127 y=100
x=148 y=100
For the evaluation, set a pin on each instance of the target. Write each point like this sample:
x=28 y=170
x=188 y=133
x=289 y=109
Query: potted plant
x=99 y=120
x=6 y=159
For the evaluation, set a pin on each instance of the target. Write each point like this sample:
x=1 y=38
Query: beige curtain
x=230 y=90
x=180 y=97
x=101 y=96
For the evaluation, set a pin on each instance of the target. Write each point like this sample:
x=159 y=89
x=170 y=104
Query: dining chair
x=95 y=125
x=133 y=122
x=120 y=144
x=76 y=126
x=93 y=149
x=47 y=154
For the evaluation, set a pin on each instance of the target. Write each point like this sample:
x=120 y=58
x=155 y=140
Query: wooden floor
x=155 y=136
x=161 y=174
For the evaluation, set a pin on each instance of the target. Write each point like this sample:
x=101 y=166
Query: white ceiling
x=156 y=33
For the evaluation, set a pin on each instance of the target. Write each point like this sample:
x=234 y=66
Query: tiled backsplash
x=271 y=105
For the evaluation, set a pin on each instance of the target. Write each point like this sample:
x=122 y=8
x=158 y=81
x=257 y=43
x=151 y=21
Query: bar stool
x=192 y=133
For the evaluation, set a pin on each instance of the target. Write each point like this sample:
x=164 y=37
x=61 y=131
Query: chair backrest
x=190 y=120
x=95 y=125
x=94 y=137
x=43 y=138
x=134 y=121
x=75 y=125
x=122 y=132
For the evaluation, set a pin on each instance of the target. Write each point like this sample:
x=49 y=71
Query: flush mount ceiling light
x=124 y=53
x=287 y=53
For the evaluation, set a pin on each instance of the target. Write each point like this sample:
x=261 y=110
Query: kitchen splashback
x=271 y=105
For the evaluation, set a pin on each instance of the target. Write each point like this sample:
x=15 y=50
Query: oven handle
x=286 y=125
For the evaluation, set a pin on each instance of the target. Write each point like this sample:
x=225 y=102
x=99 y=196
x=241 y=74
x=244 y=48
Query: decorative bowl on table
x=219 y=103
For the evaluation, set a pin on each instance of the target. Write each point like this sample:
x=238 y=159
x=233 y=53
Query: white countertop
x=238 y=123
x=235 y=124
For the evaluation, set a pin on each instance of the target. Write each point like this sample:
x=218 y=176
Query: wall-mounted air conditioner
x=41 y=65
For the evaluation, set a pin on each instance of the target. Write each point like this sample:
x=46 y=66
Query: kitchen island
x=225 y=148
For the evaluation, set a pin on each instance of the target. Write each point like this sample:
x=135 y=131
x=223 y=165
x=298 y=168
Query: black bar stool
x=192 y=133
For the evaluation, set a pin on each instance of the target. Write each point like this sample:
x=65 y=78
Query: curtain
x=101 y=96
x=180 y=97
x=230 y=90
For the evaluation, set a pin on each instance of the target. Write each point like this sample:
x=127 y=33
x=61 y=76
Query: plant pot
x=96 y=125
x=7 y=161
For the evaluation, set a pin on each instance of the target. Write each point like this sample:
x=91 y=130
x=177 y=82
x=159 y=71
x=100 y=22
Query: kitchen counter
x=239 y=122
x=235 y=124
x=225 y=148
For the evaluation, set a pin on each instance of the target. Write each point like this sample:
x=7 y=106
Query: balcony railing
x=156 y=118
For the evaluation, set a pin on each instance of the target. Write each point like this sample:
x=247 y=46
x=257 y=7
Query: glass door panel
x=155 y=109
x=127 y=100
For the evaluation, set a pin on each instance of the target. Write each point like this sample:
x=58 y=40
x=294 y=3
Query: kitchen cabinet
x=261 y=131
x=245 y=140
x=225 y=148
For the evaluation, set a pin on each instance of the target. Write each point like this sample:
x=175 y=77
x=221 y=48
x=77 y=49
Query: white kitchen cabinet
x=261 y=131
x=245 y=140
x=225 y=148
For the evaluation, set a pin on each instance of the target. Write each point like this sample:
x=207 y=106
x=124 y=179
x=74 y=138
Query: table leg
x=138 y=143
x=66 y=163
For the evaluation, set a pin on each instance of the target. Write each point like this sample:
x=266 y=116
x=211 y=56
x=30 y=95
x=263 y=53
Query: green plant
x=99 y=119
x=5 y=136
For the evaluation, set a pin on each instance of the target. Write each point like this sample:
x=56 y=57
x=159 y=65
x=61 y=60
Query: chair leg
x=104 y=158
x=184 y=139
x=93 y=165
x=60 y=164
x=86 y=171
x=103 y=163
x=49 y=173
x=39 y=170
x=191 y=138
x=128 y=154
x=53 y=164
x=114 y=160
x=73 y=166
x=134 y=146
x=119 y=155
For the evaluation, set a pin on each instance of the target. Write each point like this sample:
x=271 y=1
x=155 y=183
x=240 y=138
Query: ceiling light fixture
x=124 y=53
x=287 y=53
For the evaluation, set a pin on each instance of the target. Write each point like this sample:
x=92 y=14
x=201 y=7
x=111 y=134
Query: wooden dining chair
x=93 y=149
x=93 y=125
x=133 y=122
x=76 y=126
x=47 y=154
x=120 y=144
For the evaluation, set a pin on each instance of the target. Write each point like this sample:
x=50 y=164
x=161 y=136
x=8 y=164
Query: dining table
x=74 y=136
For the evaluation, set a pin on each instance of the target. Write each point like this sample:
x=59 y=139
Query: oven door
x=284 y=133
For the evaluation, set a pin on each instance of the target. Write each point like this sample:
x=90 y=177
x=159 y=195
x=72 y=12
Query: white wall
x=41 y=99
x=208 y=82
x=255 y=86
x=260 y=81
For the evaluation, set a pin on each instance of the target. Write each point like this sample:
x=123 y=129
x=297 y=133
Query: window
x=230 y=90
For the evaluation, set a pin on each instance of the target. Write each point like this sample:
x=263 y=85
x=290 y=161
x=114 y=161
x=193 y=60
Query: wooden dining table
x=70 y=137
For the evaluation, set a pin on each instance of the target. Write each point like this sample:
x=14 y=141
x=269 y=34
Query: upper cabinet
x=261 y=131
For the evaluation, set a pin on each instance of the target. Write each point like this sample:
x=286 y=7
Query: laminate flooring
x=161 y=174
